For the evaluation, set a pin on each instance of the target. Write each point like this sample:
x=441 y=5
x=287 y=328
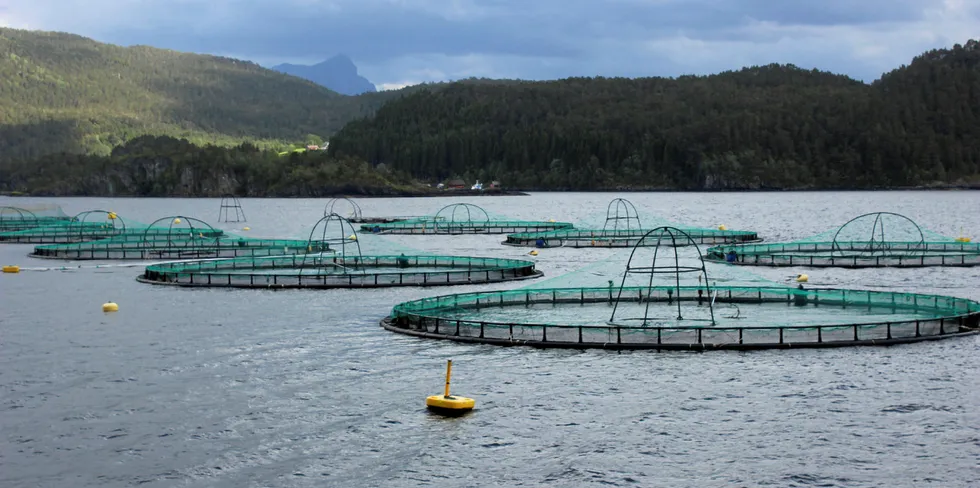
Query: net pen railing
x=428 y=226
x=434 y=317
x=596 y=237
x=850 y=254
x=73 y=232
x=366 y=271
x=121 y=248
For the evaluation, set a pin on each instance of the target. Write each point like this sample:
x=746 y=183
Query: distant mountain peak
x=341 y=61
x=338 y=73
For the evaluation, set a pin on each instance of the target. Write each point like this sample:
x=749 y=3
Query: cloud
x=406 y=41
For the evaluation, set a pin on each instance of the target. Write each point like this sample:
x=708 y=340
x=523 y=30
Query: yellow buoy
x=551 y=220
x=110 y=307
x=112 y=215
x=534 y=252
x=247 y=228
x=722 y=227
x=352 y=237
x=802 y=278
x=447 y=404
x=11 y=268
x=962 y=239
x=176 y=221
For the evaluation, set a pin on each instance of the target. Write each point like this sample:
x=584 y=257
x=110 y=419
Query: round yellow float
x=803 y=278
x=447 y=404
x=110 y=307
x=11 y=268
x=722 y=227
x=534 y=252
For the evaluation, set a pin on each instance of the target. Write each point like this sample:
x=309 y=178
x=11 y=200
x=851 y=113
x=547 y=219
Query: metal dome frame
x=81 y=219
x=338 y=244
x=621 y=209
x=229 y=202
x=19 y=211
x=663 y=233
x=441 y=221
x=194 y=232
x=878 y=227
x=356 y=213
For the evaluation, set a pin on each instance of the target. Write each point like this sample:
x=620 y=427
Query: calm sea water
x=232 y=388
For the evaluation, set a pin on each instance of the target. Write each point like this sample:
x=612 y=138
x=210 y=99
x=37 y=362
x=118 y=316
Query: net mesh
x=666 y=296
x=30 y=216
x=880 y=239
x=622 y=225
x=334 y=256
x=461 y=218
x=321 y=270
x=745 y=317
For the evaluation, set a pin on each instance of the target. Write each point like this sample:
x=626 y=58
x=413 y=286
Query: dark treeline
x=773 y=127
x=164 y=166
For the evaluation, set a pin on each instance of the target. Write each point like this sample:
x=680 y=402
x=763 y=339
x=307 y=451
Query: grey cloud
x=521 y=38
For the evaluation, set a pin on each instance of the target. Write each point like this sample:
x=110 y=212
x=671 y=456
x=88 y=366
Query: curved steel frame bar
x=191 y=229
x=879 y=226
x=224 y=210
x=81 y=219
x=328 y=209
x=674 y=234
x=629 y=214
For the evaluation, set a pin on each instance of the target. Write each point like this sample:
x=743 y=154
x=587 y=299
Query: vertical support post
x=449 y=371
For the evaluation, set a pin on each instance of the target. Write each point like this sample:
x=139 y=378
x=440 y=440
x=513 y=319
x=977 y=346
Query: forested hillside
x=62 y=92
x=164 y=166
x=773 y=126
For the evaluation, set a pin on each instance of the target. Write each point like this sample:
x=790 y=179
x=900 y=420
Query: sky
x=400 y=42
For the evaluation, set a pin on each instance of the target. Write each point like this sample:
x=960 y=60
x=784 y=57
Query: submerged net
x=666 y=298
x=881 y=239
x=461 y=218
x=623 y=226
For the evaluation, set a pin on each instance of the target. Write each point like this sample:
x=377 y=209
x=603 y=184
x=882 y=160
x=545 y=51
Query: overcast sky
x=398 y=42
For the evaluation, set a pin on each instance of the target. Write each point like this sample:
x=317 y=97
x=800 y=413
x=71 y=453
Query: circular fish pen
x=670 y=314
x=16 y=218
x=179 y=238
x=880 y=239
x=158 y=249
x=231 y=210
x=13 y=219
x=621 y=229
x=344 y=267
x=354 y=214
x=95 y=225
x=462 y=218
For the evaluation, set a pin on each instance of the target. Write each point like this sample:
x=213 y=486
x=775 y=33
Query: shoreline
x=521 y=192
